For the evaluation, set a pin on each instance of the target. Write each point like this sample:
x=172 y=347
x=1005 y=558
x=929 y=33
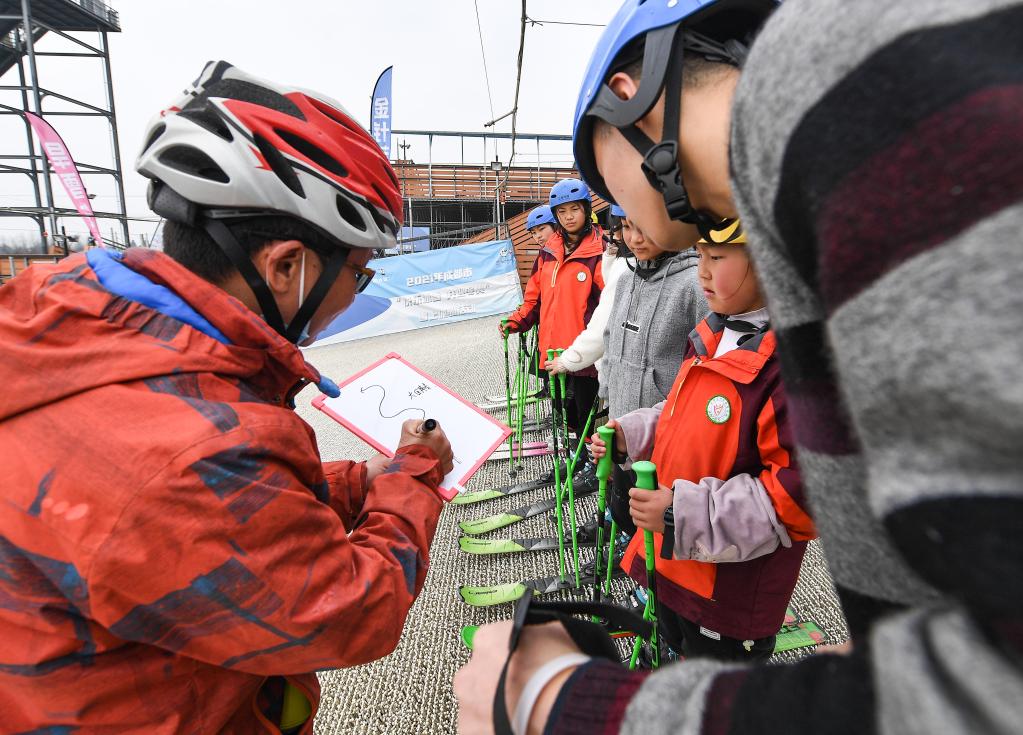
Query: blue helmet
x=542 y=215
x=617 y=211
x=569 y=190
x=718 y=30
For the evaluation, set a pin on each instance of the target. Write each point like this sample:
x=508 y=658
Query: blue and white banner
x=380 y=112
x=426 y=289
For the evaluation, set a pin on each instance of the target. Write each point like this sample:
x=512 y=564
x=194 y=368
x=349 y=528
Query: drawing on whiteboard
x=383 y=397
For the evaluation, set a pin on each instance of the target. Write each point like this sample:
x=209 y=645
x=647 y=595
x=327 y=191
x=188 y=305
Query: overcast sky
x=336 y=47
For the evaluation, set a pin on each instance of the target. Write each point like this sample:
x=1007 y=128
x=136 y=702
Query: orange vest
x=721 y=419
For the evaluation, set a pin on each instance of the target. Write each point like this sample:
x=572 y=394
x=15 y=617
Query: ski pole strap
x=591 y=638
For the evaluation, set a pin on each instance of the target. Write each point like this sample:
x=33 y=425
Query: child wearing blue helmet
x=564 y=289
x=540 y=223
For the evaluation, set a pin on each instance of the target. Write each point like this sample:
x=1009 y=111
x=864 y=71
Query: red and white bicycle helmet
x=235 y=147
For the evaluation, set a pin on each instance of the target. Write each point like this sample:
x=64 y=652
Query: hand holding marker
x=430 y=434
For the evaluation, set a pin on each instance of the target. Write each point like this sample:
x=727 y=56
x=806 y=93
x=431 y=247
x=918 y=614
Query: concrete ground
x=410 y=690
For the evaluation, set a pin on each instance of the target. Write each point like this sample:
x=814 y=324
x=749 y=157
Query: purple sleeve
x=639 y=427
x=725 y=521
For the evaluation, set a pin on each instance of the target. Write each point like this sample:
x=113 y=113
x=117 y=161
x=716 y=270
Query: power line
x=486 y=74
x=536 y=22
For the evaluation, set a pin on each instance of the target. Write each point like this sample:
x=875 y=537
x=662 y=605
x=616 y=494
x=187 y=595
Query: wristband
x=535 y=686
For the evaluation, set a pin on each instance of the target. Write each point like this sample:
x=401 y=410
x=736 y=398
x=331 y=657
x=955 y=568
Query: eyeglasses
x=363 y=276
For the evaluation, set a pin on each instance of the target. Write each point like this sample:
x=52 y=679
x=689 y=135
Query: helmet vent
x=157 y=132
x=383 y=197
x=350 y=214
x=334 y=115
x=313 y=153
x=194 y=162
x=390 y=174
x=206 y=117
x=384 y=224
x=243 y=91
x=279 y=164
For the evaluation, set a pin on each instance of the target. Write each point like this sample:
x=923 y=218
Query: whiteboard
x=376 y=401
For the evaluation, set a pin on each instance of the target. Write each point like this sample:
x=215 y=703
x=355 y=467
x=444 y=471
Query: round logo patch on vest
x=580 y=277
x=719 y=410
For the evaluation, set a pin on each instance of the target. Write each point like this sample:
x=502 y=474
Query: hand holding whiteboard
x=376 y=401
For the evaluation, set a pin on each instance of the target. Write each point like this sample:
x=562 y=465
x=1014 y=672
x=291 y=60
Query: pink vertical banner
x=63 y=165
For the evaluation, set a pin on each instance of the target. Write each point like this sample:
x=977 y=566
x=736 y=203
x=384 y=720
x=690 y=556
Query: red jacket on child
x=562 y=293
x=723 y=441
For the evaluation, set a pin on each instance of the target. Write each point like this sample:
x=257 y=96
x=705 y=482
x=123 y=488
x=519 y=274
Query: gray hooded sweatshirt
x=654 y=311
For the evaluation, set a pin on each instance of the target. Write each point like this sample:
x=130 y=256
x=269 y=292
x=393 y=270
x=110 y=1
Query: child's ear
x=624 y=86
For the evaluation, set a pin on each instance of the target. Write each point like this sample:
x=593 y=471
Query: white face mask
x=304 y=335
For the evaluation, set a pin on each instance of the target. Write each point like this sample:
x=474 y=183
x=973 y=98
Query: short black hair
x=696 y=72
x=193 y=247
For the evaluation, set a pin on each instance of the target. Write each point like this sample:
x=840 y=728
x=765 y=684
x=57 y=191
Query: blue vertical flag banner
x=427 y=289
x=380 y=112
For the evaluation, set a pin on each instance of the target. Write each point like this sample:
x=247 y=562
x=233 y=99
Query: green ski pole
x=611 y=554
x=571 y=471
x=607 y=435
x=646 y=478
x=558 y=491
x=507 y=393
x=523 y=391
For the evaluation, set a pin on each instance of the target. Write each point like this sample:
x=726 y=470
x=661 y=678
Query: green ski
x=498 y=594
x=473 y=545
x=494 y=522
x=499 y=492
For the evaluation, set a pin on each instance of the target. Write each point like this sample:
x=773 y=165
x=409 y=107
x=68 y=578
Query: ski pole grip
x=646 y=475
x=550 y=354
x=646 y=478
x=607 y=435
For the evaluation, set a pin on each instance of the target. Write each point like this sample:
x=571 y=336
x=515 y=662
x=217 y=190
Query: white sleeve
x=588 y=347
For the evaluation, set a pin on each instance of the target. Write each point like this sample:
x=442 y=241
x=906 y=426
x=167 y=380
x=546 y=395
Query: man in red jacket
x=174 y=556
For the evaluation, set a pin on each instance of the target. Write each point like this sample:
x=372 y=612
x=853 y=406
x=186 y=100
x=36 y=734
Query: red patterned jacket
x=170 y=541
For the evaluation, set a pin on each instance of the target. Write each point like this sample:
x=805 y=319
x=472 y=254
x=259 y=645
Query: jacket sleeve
x=588 y=347
x=705 y=697
x=639 y=427
x=528 y=313
x=723 y=521
x=781 y=477
x=346 y=485
x=254 y=569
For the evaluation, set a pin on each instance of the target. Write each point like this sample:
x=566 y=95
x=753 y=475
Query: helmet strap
x=660 y=160
x=331 y=269
x=229 y=244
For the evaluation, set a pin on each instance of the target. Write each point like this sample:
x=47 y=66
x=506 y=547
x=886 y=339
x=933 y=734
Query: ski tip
x=467 y=635
x=474 y=545
x=485 y=525
x=475 y=497
x=488 y=596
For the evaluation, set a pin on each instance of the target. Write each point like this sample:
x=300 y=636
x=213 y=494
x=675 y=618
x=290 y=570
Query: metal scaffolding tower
x=22 y=24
